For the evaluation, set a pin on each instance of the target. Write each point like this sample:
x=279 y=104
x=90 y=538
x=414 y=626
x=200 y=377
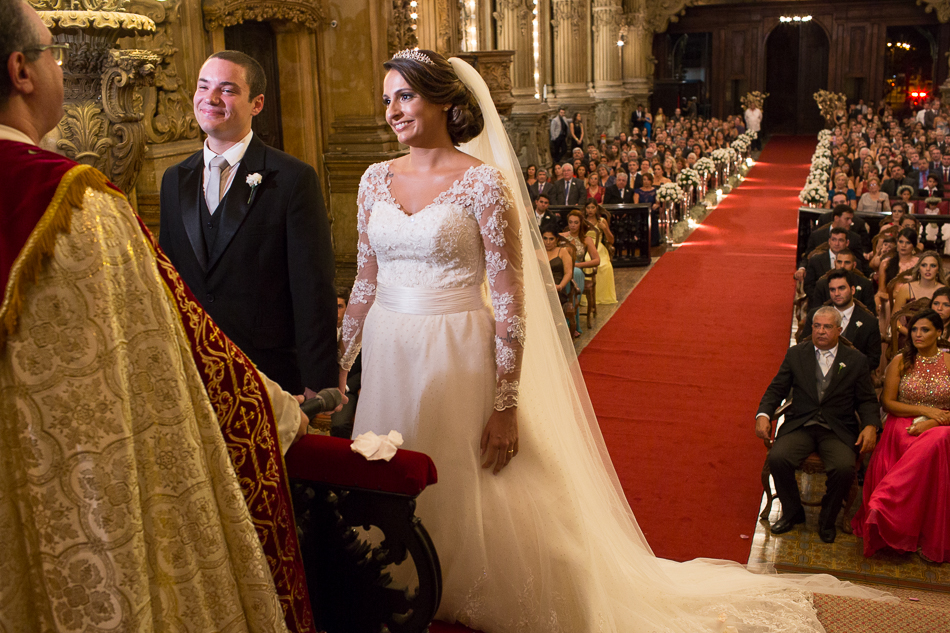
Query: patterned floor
x=802 y=551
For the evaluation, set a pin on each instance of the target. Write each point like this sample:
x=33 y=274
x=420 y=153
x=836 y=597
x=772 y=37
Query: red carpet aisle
x=676 y=375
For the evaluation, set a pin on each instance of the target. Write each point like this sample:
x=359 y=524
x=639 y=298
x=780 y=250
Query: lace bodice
x=927 y=383
x=469 y=233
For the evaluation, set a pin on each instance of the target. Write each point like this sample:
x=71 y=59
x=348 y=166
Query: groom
x=831 y=383
x=246 y=228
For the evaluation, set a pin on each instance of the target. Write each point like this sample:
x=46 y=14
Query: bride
x=464 y=353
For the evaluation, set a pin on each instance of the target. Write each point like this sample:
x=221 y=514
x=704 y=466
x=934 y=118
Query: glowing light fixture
x=793 y=19
x=536 y=46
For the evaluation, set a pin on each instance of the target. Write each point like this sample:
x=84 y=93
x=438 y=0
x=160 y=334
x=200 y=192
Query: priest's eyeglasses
x=60 y=52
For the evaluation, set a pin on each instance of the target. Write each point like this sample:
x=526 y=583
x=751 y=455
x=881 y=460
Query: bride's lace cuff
x=506 y=395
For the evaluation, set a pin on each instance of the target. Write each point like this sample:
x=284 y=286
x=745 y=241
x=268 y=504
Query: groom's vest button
x=209 y=297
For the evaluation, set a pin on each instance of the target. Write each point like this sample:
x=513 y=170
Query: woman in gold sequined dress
x=907 y=487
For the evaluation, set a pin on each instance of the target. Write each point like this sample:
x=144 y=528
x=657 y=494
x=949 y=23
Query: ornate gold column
x=607 y=23
x=438 y=25
x=571 y=22
x=103 y=123
x=635 y=66
x=514 y=31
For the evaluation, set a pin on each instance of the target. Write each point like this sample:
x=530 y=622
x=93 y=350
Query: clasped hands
x=935 y=417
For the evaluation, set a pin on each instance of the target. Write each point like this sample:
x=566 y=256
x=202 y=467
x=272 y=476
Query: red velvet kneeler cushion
x=329 y=460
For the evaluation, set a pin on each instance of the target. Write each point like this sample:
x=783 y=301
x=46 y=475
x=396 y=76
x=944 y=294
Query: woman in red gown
x=907 y=487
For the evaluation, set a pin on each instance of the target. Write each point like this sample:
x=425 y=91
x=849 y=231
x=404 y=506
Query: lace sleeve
x=501 y=235
x=364 y=289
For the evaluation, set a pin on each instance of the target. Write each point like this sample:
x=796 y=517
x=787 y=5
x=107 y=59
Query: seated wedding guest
x=817 y=265
x=619 y=192
x=569 y=190
x=905 y=194
x=646 y=194
x=582 y=237
x=559 y=259
x=558 y=173
x=842 y=217
x=931 y=207
x=898 y=211
x=858 y=224
x=581 y=172
x=864 y=288
x=904 y=258
x=594 y=188
x=341 y=422
x=606 y=290
x=897 y=179
x=858 y=325
x=841 y=186
x=832 y=389
x=530 y=175
x=906 y=504
x=940 y=303
x=934 y=187
x=541 y=186
x=542 y=211
x=874 y=200
x=927 y=277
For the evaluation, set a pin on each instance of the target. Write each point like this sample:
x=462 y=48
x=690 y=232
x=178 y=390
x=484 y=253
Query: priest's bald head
x=31 y=78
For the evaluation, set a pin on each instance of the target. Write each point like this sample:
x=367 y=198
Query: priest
x=142 y=484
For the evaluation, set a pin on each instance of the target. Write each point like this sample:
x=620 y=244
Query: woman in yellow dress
x=606 y=290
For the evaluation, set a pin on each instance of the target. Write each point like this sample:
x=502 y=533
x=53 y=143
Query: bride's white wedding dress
x=548 y=545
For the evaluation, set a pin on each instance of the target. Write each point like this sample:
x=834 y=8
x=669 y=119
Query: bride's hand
x=500 y=439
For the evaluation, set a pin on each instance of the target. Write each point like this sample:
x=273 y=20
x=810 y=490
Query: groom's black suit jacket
x=849 y=392
x=267 y=278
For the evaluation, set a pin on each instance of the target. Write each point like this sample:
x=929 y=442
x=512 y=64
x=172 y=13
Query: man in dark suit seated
x=944 y=171
x=619 y=192
x=858 y=325
x=830 y=383
x=896 y=180
x=569 y=190
x=858 y=224
x=543 y=214
x=864 y=288
x=542 y=185
x=818 y=265
x=842 y=216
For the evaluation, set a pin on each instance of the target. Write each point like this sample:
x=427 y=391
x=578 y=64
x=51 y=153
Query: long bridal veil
x=554 y=407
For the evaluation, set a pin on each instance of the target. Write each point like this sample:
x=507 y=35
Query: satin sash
x=431 y=300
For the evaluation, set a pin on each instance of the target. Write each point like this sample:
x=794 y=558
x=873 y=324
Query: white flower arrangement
x=820 y=163
x=688 y=178
x=731 y=154
x=669 y=192
x=740 y=144
x=824 y=135
x=720 y=155
x=705 y=165
x=814 y=193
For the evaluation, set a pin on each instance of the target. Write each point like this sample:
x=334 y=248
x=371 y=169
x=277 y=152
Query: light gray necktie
x=213 y=189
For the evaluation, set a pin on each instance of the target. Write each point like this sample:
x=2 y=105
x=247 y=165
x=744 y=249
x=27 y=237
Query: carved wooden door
x=257 y=39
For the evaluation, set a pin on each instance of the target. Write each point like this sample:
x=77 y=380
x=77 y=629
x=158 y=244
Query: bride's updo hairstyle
x=434 y=79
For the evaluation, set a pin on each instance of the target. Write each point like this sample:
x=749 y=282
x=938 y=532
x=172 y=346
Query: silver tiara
x=414 y=55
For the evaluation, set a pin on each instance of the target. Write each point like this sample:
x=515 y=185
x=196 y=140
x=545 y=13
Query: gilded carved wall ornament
x=942 y=7
x=607 y=13
x=444 y=31
x=567 y=12
x=522 y=9
x=83 y=138
x=401 y=33
x=662 y=12
x=221 y=13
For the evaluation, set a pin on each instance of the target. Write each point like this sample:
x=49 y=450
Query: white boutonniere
x=253 y=180
x=858 y=324
x=841 y=366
